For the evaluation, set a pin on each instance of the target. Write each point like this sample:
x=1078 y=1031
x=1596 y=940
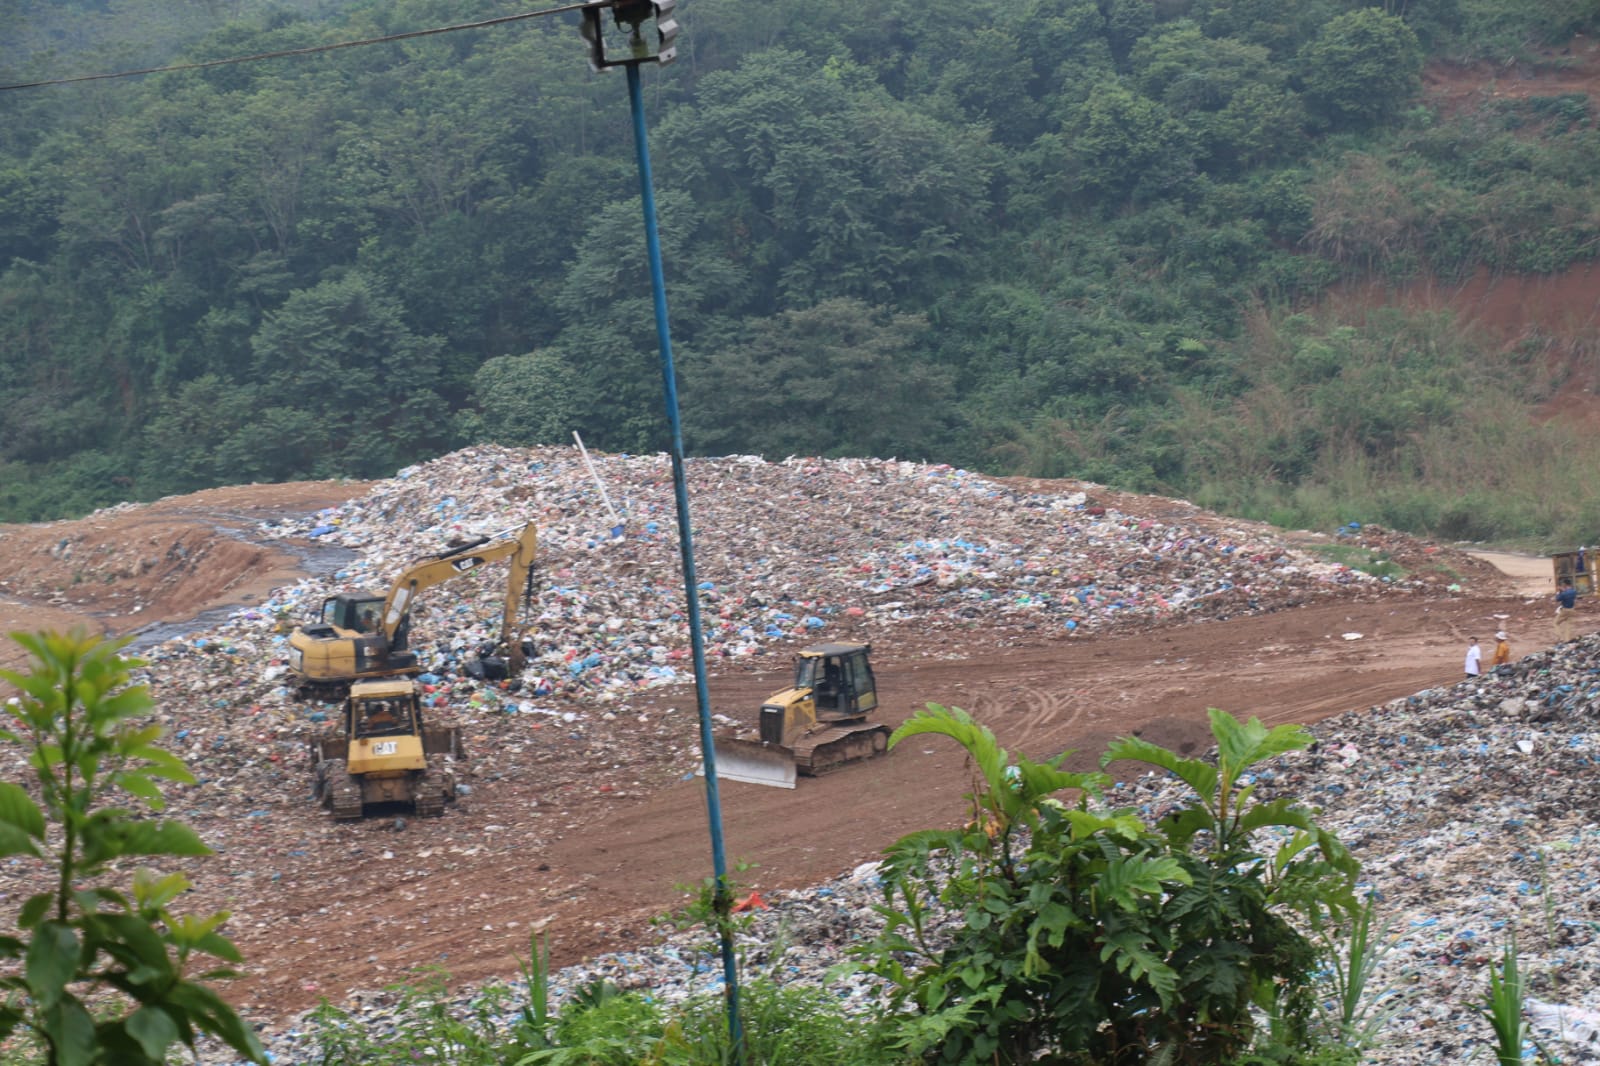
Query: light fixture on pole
x=629 y=45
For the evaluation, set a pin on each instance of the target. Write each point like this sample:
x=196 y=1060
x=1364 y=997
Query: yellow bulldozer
x=382 y=752
x=817 y=724
x=363 y=635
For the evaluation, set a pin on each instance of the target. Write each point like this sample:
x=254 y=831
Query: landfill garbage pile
x=1472 y=809
x=787 y=553
x=1474 y=814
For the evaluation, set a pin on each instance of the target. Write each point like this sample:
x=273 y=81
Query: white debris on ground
x=806 y=549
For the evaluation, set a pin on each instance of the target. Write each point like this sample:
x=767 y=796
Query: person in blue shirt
x=1566 y=606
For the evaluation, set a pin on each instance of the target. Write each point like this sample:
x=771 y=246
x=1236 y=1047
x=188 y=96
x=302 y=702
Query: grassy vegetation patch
x=1356 y=557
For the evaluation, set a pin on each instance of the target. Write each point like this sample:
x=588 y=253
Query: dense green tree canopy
x=1022 y=236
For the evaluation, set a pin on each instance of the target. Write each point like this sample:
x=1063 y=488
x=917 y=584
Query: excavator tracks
x=828 y=749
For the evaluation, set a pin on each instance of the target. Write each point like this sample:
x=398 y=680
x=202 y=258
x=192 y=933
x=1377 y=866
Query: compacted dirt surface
x=593 y=843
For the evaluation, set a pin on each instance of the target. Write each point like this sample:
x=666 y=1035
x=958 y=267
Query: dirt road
x=598 y=840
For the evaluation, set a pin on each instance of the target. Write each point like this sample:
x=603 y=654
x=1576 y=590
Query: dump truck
x=365 y=635
x=383 y=752
x=817 y=724
x=1576 y=567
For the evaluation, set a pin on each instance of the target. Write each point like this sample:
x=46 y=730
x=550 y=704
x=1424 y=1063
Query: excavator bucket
x=754 y=763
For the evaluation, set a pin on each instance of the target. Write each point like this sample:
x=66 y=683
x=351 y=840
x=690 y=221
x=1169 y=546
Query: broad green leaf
x=143 y=787
x=10 y=1018
x=1200 y=776
x=1181 y=826
x=1125 y=880
x=105 y=841
x=166 y=765
x=52 y=961
x=17 y=809
x=133 y=739
x=71 y=1029
x=1124 y=825
x=956 y=724
x=217 y=946
x=137 y=944
x=1131 y=954
x=14 y=841
x=154 y=890
x=154 y=1030
x=210 y=1013
x=34 y=910
x=1241 y=745
x=1281 y=812
x=128 y=703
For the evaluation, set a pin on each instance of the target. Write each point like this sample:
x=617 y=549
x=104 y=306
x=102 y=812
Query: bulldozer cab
x=840 y=679
x=382 y=709
x=384 y=718
x=819 y=723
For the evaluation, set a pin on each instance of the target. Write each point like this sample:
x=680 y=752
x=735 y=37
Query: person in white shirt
x=1474 y=659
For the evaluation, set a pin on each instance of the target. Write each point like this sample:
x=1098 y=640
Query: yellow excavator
x=816 y=725
x=363 y=635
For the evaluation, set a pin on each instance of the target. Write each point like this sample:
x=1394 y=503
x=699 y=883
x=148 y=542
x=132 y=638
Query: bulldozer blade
x=753 y=763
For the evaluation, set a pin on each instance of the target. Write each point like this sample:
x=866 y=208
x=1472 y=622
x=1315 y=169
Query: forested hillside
x=1050 y=237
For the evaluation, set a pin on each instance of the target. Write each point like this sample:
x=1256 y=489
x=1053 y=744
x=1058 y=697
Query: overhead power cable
x=309 y=50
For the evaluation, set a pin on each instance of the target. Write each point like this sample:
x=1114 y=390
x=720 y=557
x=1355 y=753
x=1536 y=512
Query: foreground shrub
x=1079 y=935
x=101 y=975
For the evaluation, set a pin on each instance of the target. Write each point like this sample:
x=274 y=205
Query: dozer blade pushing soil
x=753 y=762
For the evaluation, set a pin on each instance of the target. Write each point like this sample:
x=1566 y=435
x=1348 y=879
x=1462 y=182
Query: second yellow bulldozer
x=817 y=724
x=382 y=752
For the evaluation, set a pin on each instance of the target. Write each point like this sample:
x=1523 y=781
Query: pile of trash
x=1473 y=810
x=787 y=553
x=784 y=551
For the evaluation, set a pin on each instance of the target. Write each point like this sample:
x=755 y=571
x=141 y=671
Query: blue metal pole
x=719 y=862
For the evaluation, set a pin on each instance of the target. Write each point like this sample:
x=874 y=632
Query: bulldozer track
x=830 y=749
x=429 y=798
x=435 y=787
x=339 y=791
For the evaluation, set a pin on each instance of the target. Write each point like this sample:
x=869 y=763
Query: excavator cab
x=357 y=612
x=348 y=641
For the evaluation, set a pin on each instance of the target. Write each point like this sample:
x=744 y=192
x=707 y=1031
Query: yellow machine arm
x=518 y=544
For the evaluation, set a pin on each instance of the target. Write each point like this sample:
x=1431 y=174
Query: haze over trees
x=1054 y=237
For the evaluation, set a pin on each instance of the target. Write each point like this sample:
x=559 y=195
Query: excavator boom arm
x=518 y=544
x=519 y=590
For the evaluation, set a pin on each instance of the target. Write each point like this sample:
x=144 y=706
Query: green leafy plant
x=1048 y=930
x=104 y=973
x=789 y=1024
x=432 y=1027
x=1359 y=1012
x=1502 y=1007
x=1376 y=563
